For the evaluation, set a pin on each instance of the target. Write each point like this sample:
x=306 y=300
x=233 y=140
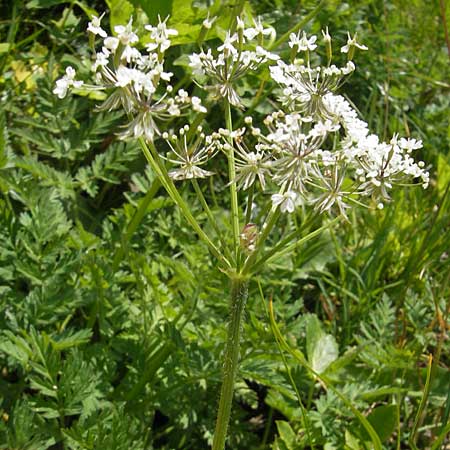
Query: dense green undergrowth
x=113 y=316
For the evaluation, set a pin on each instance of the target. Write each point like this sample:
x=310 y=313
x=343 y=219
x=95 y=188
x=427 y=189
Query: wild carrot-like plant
x=311 y=152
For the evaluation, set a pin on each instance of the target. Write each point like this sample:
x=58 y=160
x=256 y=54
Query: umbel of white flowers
x=136 y=80
x=314 y=150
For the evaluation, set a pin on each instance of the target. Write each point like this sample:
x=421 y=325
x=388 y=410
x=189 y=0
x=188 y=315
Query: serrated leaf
x=71 y=339
x=44 y=389
x=18 y=350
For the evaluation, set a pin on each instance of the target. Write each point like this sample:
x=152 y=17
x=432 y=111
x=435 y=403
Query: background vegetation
x=113 y=316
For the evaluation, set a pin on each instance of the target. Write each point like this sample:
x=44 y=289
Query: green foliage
x=113 y=316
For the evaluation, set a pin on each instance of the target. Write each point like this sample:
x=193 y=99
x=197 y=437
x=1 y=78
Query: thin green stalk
x=248 y=211
x=267 y=429
x=272 y=217
x=13 y=27
x=423 y=401
x=398 y=424
x=284 y=247
x=213 y=193
x=232 y=178
x=239 y=294
x=210 y=216
x=152 y=156
x=304 y=410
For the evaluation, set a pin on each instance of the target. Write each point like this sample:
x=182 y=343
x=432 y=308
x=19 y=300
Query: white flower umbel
x=304 y=88
x=327 y=163
x=259 y=31
x=236 y=57
x=136 y=82
x=190 y=153
x=251 y=164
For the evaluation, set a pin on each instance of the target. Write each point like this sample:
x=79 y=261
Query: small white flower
x=409 y=144
x=111 y=43
x=286 y=201
x=160 y=35
x=174 y=110
x=62 y=86
x=265 y=54
x=101 y=59
x=67 y=81
x=184 y=96
x=130 y=54
x=195 y=62
x=228 y=43
x=166 y=76
x=124 y=76
x=251 y=33
x=302 y=43
x=197 y=105
x=326 y=35
x=208 y=23
x=95 y=28
x=351 y=43
x=126 y=34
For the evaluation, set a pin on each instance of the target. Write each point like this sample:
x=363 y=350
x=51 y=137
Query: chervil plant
x=313 y=151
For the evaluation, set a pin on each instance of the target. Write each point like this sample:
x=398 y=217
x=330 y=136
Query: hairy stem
x=153 y=159
x=239 y=294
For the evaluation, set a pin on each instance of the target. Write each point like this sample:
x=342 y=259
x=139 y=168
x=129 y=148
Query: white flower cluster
x=189 y=152
x=326 y=162
x=137 y=80
x=236 y=56
x=316 y=150
x=304 y=87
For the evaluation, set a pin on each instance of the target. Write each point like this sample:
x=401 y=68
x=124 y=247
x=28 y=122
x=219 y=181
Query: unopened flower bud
x=249 y=236
x=328 y=48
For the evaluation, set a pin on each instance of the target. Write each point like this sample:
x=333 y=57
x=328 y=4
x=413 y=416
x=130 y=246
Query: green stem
x=239 y=294
x=210 y=216
x=153 y=159
x=286 y=245
x=232 y=178
x=248 y=211
x=269 y=223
